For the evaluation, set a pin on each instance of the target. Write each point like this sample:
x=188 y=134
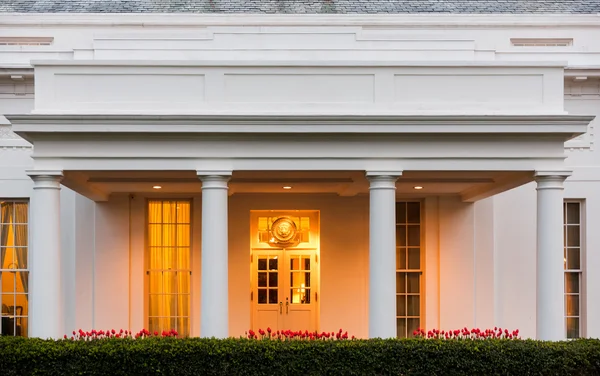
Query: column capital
x=49 y=179
x=551 y=179
x=383 y=179
x=216 y=179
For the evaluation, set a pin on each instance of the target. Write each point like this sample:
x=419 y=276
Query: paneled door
x=284 y=289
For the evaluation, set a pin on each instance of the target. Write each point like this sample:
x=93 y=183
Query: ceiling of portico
x=98 y=185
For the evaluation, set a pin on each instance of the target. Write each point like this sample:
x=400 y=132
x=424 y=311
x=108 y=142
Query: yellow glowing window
x=14 y=269
x=169 y=268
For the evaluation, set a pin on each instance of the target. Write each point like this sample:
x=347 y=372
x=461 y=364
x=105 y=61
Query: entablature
x=298 y=87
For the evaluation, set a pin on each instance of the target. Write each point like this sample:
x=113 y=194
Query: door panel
x=266 y=291
x=284 y=289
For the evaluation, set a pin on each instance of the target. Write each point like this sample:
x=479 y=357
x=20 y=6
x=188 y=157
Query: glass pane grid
x=14 y=266
x=169 y=245
x=408 y=267
x=572 y=266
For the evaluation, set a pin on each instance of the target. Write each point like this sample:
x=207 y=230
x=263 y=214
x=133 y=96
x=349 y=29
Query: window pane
x=413 y=283
x=572 y=327
x=21 y=257
x=8 y=300
x=414 y=236
x=10 y=259
x=401 y=258
x=273 y=296
x=9 y=282
x=262 y=296
x=22 y=282
x=273 y=264
x=414 y=258
x=273 y=279
x=401 y=212
x=573 y=259
x=413 y=324
x=6 y=212
x=262 y=279
x=572 y=305
x=183 y=326
x=572 y=282
x=400 y=305
x=306 y=263
x=262 y=264
x=573 y=236
x=400 y=283
x=20 y=235
x=400 y=236
x=572 y=212
x=413 y=307
x=413 y=212
x=401 y=328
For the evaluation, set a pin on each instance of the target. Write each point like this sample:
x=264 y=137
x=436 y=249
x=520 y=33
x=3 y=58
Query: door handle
x=280 y=308
x=287 y=306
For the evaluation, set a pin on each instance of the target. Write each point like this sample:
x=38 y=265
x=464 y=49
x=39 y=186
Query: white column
x=45 y=257
x=550 y=260
x=382 y=254
x=214 y=317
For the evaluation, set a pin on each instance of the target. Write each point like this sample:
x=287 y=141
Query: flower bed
x=105 y=353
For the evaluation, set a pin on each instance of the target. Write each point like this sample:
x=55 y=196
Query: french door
x=284 y=289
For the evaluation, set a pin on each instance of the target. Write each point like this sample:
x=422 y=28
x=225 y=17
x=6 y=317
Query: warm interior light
x=287 y=187
x=157 y=187
x=418 y=187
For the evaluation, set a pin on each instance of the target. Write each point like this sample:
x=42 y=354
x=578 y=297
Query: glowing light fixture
x=157 y=187
x=287 y=187
x=418 y=187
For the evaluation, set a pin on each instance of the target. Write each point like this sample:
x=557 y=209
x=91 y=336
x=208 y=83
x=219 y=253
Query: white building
x=215 y=173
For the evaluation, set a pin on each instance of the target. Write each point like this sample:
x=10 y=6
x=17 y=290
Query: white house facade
x=216 y=173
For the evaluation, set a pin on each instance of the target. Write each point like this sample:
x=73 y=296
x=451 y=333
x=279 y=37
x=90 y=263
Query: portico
x=87 y=170
x=230 y=135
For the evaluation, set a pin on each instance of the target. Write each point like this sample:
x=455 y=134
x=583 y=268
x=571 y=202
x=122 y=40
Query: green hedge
x=194 y=356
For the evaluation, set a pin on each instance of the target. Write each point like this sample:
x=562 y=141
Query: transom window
x=169 y=269
x=573 y=257
x=14 y=267
x=408 y=268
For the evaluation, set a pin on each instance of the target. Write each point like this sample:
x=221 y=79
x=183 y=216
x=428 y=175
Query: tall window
x=169 y=266
x=573 y=267
x=14 y=274
x=408 y=268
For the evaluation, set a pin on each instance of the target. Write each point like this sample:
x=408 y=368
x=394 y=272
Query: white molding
x=298 y=63
x=28 y=126
x=376 y=20
x=555 y=173
x=56 y=173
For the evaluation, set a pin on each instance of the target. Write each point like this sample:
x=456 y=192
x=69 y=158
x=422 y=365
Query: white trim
x=570 y=125
x=296 y=63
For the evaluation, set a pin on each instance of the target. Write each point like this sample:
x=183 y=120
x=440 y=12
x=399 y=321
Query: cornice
x=34 y=126
x=298 y=63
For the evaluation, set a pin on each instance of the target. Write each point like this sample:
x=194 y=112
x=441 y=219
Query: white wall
x=462 y=253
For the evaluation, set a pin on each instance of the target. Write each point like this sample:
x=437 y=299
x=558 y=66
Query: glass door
x=284 y=290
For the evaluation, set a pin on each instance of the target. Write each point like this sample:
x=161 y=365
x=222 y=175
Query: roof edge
x=373 y=20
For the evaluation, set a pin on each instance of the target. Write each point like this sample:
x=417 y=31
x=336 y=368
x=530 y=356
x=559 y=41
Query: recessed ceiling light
x=287 y=187
x=418 y=187
x=157 y=187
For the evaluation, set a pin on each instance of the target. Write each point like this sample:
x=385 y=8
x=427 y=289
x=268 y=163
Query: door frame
x=313 y=246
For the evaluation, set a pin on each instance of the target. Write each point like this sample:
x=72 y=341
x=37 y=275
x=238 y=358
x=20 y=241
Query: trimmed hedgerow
x=195 y=356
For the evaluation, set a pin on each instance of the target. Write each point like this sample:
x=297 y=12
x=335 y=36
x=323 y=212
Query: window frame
x=147 y=316
x=582 y=267
x=422 y=266
x=28 y=269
